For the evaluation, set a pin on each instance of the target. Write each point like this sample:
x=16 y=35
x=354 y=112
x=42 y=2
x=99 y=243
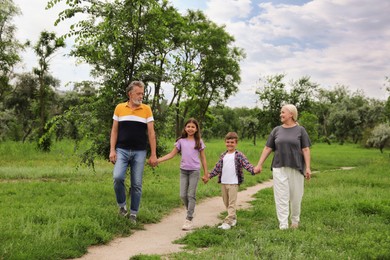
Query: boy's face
x=231 y=144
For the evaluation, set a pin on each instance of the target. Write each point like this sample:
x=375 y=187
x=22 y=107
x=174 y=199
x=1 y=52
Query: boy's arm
x=217 y=169
x=246 y=164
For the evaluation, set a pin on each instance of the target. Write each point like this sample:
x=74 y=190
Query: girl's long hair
x=197 y=135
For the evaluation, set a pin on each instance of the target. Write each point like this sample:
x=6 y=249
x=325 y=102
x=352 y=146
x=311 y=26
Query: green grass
x=345 y=215
x=49 y=210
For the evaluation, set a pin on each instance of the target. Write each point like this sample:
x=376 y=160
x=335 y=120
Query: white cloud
x=227 y=10
x=334 y=42
x=30 y=24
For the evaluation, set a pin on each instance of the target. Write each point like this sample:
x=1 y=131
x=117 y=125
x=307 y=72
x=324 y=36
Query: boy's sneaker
x=224 y=226
x=187 y=225
x=234 y=223
x=133 y=218
x=123 y=212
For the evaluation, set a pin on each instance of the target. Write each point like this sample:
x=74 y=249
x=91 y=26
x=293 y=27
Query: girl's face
x=190 y=129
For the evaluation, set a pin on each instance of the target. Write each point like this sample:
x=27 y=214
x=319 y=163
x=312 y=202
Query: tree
x=46 y=46
x=387 y=104
x=302 y=94
x=149 y=40
x=9 y=46
x=206 y=68
x=272 y=95
x=250 y=125
x=310 y=123
x=22 y=100
x=380 y=137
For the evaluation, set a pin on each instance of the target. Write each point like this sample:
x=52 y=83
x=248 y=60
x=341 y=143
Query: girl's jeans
x=136 y=160
x=188 y=185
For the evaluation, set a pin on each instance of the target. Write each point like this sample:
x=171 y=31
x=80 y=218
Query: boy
x=230 y=175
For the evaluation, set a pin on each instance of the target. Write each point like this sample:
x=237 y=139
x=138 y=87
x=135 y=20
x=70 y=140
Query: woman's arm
x=306 y=157
x=264 y=155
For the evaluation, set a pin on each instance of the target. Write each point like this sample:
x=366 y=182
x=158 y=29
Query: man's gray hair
x=135 y=83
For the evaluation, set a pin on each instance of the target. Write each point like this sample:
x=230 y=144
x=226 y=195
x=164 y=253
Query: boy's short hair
x=231 y=135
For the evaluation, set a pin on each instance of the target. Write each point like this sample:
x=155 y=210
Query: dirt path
x=157 y=238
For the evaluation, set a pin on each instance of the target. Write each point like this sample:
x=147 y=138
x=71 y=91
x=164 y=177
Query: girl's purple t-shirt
x=190 y=160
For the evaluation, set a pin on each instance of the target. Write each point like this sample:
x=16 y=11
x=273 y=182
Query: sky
x=334 y=42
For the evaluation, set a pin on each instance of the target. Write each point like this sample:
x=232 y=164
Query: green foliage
x=46 y=46
x=9 y=45
x=310 y=123
x=273 y=94
x=151 y=41
x=380 y=137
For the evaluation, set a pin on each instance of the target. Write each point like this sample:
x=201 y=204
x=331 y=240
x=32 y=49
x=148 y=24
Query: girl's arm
x=204 y=163
x=168 y=156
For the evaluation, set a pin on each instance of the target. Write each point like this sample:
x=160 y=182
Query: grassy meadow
x=51 y=209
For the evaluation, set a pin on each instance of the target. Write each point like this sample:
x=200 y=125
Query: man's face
x=136 y=95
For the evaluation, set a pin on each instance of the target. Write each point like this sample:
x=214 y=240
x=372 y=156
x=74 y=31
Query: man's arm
x=113 y=140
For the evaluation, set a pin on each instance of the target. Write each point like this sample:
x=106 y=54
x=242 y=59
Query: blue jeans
x=136 y=160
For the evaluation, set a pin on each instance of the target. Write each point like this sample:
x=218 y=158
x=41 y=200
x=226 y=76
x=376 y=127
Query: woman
x=290 y=165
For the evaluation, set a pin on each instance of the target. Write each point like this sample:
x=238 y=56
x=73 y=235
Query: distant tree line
x=190 y=66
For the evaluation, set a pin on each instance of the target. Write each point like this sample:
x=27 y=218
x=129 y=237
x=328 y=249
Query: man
x=128 y=142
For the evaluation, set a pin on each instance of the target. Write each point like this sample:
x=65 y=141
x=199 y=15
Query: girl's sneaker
x=234 y=223
x=187 y=225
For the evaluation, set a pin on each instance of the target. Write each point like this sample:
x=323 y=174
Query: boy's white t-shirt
x=229 y=175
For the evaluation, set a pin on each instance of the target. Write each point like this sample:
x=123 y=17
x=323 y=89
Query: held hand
x=153 y=161
x=257 y=169
x=308 y=174
x=205 y=178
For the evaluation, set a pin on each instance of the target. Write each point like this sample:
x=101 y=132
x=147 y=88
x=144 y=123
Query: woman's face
x=285 y=115
x=191 y=129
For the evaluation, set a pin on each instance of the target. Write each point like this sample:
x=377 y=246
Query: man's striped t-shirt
x=132 y=126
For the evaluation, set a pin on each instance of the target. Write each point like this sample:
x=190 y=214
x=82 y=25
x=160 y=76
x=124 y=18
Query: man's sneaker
x=133 y=218
x=234 y=223
x=123 y=212
x=224 y=226
x=187 y=225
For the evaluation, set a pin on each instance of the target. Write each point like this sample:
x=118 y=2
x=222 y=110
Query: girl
x=191 y=147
